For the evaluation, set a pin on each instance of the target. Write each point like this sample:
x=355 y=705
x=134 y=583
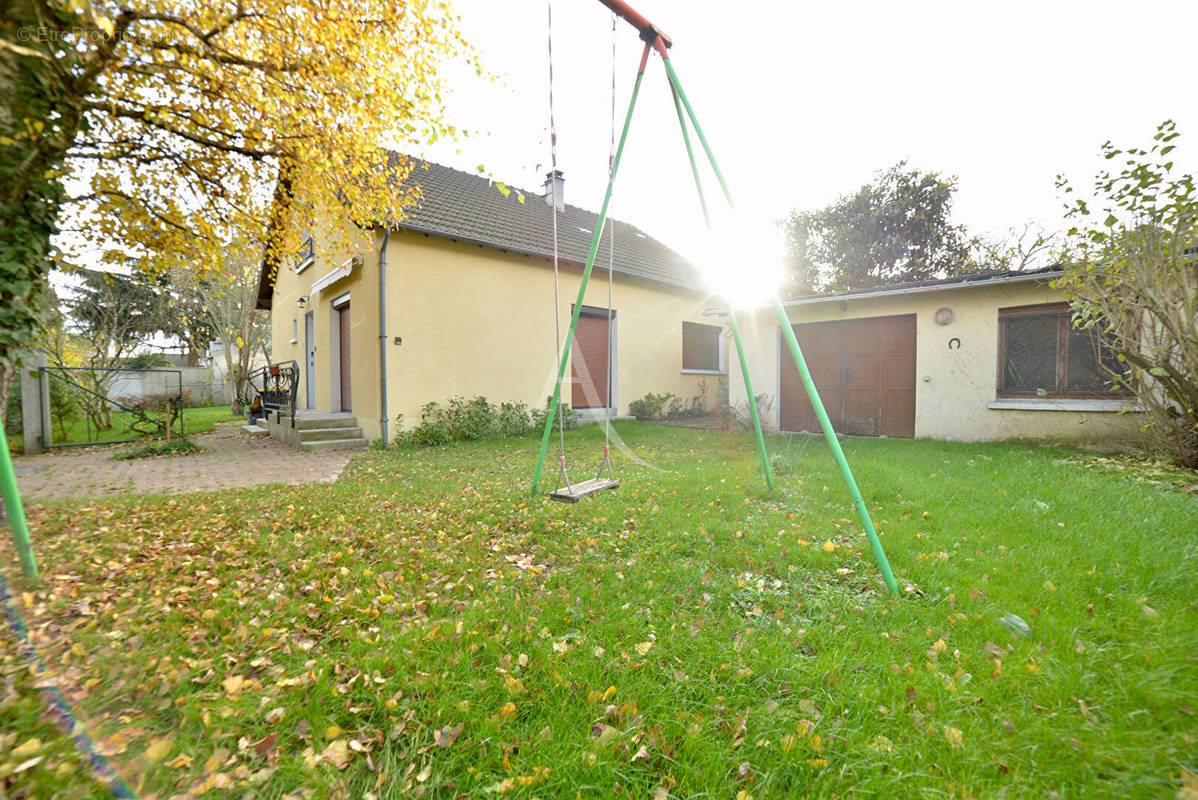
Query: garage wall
x=955 y=387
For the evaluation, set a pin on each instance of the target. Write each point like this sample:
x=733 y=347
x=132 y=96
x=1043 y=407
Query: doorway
x=343 y=325
x=310 y=359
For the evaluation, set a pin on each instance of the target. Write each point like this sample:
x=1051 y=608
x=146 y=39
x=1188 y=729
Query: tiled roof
x=459 y=205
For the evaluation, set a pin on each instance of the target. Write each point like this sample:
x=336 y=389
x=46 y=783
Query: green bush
x=179 y=447
x=468 y=420
x=657 y=407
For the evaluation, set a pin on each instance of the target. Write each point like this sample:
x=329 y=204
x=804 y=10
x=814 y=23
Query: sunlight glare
x=742 y=262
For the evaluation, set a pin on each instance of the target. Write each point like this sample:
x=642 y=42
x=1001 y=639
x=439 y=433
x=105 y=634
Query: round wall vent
x=944 y=316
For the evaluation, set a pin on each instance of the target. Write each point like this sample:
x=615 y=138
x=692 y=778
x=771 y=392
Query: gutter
x=383 y=332
x=847 y=296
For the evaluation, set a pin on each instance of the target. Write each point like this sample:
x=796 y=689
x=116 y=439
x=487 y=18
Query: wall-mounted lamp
x=303 y=300
x=399 y=340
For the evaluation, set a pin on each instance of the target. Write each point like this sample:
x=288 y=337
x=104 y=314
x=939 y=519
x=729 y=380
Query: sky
x=805 y=102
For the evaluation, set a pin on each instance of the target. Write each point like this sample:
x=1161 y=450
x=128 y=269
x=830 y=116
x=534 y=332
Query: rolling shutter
x=589 y=362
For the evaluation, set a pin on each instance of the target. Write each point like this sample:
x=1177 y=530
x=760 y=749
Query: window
x=306 y=255
x=294 y=331
x=1041 y=353
x=702 y=349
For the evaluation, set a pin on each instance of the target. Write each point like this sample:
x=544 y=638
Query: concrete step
x=320 y=434
x=254 y=430
x=333 y=444
x=305 y=423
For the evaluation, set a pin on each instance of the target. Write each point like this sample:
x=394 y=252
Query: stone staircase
x=316 y=431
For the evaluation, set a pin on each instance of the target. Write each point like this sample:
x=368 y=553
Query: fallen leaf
x=1189 y=786
x=829 y=546
x=233 y=684
x=160 y=749
x=881 y=744
x=507 y=711
x=644 y=647
x=26 y=748
x=263 y=746
x=954 y=736
x=447 y=735
x=337 y=753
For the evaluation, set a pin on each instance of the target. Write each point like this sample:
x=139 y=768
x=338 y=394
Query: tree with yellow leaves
x=163 y=130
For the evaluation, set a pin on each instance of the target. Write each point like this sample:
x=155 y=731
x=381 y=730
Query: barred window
x=1041 y=353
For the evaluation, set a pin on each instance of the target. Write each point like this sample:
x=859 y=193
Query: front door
x=310 y=358
x=346 y=384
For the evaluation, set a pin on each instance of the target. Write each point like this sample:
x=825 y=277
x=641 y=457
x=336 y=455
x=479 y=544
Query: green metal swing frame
x=655 y=39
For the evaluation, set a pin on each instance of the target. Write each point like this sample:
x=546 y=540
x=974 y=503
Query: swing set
x=566 y=491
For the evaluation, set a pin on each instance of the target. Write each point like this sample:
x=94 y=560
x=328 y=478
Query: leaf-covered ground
x=422 y=628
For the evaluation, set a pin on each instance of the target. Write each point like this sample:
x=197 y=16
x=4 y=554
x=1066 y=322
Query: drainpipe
x=383 y=331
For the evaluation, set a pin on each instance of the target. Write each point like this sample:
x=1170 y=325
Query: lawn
x=195 y=420
x=422 y=628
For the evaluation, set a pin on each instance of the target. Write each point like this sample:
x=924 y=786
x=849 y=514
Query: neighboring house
x=976 y=358
x=469 y=310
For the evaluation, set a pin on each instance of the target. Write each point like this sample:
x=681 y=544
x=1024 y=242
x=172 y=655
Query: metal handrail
x=278 y=387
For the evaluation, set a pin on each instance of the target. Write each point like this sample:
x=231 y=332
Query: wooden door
x=590 y=368
x=898 y=375
x=823 y=350
x=346 y=383
x=864 y=370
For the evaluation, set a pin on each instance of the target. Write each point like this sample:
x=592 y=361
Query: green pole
x=847 y=474
x=744 y=371
x=16 y=512
x=586 y=277
x=826 y=424
x=690 y=112
x=740 y=350
x=690 y=154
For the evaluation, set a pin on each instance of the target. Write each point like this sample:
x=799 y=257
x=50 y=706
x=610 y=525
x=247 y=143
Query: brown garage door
x=864 y=370
x=589 y=370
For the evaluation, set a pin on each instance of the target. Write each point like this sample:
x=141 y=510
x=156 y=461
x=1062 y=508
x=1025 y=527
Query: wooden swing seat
x=575 y=492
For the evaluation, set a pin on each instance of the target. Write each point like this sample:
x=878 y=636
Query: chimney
x=555 y=189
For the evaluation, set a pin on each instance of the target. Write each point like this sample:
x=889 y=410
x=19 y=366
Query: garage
x=864 y=370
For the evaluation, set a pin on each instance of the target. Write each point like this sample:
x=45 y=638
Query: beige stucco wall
x=478 y=321
x=955 y=388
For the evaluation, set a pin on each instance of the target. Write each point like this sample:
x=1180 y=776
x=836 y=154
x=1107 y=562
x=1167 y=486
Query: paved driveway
x=230 y=458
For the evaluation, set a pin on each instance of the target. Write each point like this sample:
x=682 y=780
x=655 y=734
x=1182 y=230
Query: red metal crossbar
x=650 y=33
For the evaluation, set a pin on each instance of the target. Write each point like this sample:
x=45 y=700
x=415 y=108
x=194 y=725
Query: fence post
x=35 y=403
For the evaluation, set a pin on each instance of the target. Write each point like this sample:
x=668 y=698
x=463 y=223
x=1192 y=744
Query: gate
x=109 y=405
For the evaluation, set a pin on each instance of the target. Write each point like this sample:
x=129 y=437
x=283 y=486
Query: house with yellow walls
x=975 y=358
x=457 y=299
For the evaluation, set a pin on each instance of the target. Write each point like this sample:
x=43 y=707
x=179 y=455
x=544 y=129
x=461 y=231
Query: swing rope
x=557 y=316
x=611 y=262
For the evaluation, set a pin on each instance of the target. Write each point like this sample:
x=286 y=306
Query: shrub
x=178 y=447
x=570 y=417
x=657 y=407
x=468 y=420
x=651 y=406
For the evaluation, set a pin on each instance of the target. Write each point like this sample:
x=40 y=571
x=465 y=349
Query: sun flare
x=742 y=262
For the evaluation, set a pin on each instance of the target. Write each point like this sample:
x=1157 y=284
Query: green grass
x=195 y=420
x=687 y=635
